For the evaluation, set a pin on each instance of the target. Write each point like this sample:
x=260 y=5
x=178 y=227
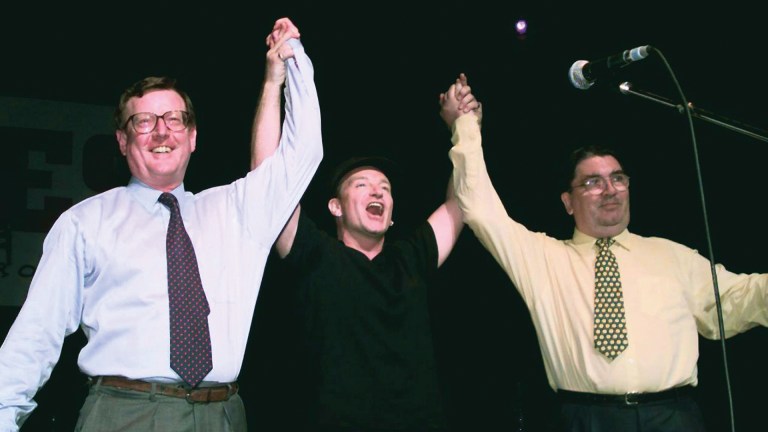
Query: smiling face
x=363 y=207
x=598 y=215
x=158 y=158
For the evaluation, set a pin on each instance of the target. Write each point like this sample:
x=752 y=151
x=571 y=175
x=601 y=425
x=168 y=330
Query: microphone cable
x=708 y=236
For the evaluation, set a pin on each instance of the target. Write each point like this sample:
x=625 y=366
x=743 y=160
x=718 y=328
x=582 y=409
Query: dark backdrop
x=379 y=69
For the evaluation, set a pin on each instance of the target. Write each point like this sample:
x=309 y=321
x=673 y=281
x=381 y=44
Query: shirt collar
x=147 y=197
x=579 y=238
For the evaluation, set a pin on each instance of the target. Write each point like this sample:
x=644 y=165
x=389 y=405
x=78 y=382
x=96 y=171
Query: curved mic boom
x=583 y=74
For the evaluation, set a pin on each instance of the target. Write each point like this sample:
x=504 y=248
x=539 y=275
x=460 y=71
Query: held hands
x=458 y=101
x=279 y=50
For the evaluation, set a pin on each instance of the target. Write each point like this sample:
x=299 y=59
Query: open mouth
x=375 y=208
x=161 y=149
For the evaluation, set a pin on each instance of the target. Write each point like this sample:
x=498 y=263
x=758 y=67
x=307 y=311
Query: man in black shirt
x=365 y=300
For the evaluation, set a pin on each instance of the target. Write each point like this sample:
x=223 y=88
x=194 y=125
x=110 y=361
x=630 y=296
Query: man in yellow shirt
x=661 y=297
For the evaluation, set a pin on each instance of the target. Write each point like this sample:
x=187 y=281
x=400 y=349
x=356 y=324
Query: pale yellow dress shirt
x=668 y=291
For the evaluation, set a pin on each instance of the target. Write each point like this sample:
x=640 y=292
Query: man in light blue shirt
x=104 y=265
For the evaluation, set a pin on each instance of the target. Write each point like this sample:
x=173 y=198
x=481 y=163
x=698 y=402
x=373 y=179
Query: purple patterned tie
x=190 y=339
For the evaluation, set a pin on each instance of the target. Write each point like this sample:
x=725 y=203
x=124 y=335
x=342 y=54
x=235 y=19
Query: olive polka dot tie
x=190 y=337
x=610 y=323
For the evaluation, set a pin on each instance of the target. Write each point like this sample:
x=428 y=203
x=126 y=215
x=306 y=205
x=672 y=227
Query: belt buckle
x=207 y=390
x=188 y=396
x=630 y=398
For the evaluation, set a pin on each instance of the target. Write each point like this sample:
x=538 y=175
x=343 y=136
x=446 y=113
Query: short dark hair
x=581 y=154
x=385 y=165
x=149 y=84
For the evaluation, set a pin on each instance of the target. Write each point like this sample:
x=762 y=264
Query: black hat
x=386 y=166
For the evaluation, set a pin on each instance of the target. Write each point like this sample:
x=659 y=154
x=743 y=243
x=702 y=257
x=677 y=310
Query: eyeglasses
x=146 y=122
x=596 y=184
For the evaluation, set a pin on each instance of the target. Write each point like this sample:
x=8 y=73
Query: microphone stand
x=745 y=129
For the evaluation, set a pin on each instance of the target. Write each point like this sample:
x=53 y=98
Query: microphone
x=583 y=73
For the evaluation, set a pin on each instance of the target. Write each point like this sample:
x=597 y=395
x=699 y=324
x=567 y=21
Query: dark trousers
x=674 y=415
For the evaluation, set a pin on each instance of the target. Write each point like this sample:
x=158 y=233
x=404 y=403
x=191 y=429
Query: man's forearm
x=265 y=133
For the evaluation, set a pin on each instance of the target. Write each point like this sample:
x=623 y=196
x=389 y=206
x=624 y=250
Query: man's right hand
x=279 y=51
x=459 y=100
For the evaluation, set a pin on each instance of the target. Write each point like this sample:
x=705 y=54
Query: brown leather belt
x=197 y=395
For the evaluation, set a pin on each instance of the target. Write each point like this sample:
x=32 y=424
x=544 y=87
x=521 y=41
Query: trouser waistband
x=217 y=393
x=623 y=399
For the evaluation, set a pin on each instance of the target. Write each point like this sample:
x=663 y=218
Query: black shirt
x=369 y=330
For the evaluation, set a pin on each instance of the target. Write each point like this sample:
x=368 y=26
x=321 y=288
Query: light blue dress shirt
x=104 y=266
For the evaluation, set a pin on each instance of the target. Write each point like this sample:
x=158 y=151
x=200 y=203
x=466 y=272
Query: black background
x=379 y=68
